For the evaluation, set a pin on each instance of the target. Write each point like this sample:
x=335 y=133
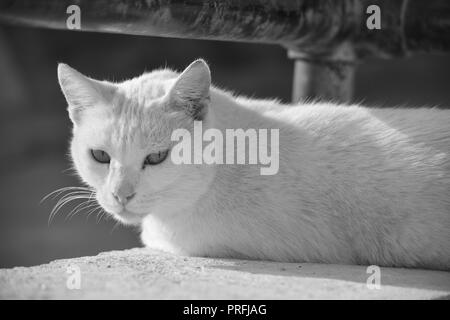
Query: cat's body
x=355 y=185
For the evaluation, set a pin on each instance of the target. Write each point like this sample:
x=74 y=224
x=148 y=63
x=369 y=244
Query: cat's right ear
x=81 y=92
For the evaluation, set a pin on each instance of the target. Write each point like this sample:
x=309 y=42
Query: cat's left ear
x=190 y=93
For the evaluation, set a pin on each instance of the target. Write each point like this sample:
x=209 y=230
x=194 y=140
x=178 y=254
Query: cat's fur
x=355 y=185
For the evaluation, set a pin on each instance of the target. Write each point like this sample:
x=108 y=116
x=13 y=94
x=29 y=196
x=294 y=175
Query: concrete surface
x=147 y=274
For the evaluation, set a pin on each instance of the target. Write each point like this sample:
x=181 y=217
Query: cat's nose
x=123 y=199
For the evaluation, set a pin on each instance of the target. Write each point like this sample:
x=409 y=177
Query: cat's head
x=122 y=137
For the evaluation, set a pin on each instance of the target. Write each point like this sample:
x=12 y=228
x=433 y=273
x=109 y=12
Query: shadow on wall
x=34 y=127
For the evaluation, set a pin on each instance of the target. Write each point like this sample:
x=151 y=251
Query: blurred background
x=34 y=127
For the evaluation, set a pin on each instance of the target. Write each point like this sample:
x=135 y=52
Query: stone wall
x=147 y=274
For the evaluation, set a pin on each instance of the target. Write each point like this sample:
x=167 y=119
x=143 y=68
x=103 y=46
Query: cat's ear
x=82 y=92
x=190 y=93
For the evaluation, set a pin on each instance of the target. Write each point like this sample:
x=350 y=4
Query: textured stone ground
x=147 y=274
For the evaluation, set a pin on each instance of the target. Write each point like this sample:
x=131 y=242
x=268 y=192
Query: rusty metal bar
x=328 y=77
x=318 y=33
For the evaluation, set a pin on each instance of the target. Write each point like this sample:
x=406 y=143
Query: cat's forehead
x=139 y=127
x=129 y=131
x=139 y=117
x=148 y=86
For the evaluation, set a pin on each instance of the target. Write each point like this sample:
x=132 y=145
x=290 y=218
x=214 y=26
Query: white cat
x=355 y=185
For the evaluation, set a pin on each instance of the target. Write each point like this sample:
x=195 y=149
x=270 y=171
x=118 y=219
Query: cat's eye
x=155 y=158
x=100 y=156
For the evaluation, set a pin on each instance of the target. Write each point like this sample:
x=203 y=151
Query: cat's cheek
x=91 y=173
x=99 y=174
x=93 y=177
x=158 y=178
x=104 y=203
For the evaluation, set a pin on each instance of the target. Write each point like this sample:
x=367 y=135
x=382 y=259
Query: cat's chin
x=128 y=217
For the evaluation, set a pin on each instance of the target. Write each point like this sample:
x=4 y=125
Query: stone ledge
x=148 y=274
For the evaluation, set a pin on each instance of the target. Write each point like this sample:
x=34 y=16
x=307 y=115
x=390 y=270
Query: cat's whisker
x=71 y=170
x=107 y=216
x=65 y=199
x=57 y=192
x=71 y=192
x=115 y=226
x=96 y=211
x=79 y=211
x=92 y=211
x=98 y=216
x=102 y=214
x=72 y=196
x=82 y=206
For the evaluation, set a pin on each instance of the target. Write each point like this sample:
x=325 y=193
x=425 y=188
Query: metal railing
x=327 y=38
